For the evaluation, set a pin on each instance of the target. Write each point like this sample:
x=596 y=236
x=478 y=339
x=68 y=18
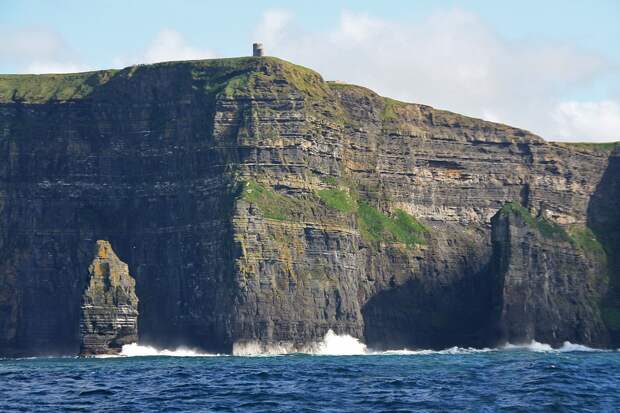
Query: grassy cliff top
x=244 y=76
x=51 y=87
x=75 y=86
x=602 y=147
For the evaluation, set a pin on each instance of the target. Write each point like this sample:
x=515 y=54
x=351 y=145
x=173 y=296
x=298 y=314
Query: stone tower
x=257 y=50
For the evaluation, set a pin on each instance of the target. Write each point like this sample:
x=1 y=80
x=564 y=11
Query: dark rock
x=109 y=305
x=549 y=288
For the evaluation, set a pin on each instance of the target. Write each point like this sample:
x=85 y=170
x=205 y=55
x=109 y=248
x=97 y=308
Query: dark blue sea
x=514 y=380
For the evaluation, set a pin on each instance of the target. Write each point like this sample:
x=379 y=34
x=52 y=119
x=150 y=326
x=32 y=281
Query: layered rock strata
x=256 y=203
x=550 y=284
x=109 y=313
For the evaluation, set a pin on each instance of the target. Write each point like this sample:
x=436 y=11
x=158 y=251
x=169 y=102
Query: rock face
x=109 y=305
x=551 y=284
x=255 y=203
x=604 y=219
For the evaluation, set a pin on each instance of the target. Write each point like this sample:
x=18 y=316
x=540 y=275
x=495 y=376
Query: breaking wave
x=331 y=345
x=336 y=345
x=340 y=345
x=137 y=350
x=538 y=347
x=423 y=352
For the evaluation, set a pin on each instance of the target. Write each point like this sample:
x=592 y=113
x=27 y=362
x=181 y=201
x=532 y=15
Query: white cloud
x=273 y=25
x=38 y=50
x=167 y=45
x=39 y=67
x=170 y=45
x=597 y=120
x=41 y=50
x=451 y=60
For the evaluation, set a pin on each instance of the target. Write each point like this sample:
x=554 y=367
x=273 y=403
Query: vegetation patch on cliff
x=584 y=238
x=269 y=75
x=272 y=204
x=379 y=227
x=338 y=199
x=607 y=147
x=545 y=227
x=375 y=226
x=44 y=88
x=579 y=236
x=390 y=109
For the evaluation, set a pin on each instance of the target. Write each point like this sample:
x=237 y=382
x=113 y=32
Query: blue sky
x=549 y=66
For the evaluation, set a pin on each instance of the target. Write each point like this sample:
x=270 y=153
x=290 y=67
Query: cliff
x=256 y=204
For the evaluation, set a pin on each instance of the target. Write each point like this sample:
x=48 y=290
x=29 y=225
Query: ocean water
x=532 y=378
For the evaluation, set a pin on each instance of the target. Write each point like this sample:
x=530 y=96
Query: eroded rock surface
x=255 y=202
x=550 y=285
x=109 y=305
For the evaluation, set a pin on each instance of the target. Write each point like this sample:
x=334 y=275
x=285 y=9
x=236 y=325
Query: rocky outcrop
x=109 y=305
x=604 y=219
x=256 y=203
x=551 y=282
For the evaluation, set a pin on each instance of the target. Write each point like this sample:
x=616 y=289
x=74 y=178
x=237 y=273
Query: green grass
x=272 y=204
x=521 y=211
x=406 y=228
x=271 y=75
x=372 y=222
x=59 y=87
x=578 y=235
x=330 y=180
x=238 y=85
x=605 y=147
x=231 y=76
x=338 y=199
x=550 y=229
x=377 y=226
x=545 y=227
x=389 y=109
x=584 y=238
x=358 y=90
x=303 y=79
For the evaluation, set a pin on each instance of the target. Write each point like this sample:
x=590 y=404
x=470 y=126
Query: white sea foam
x=533 y=345
x=331 y=345
x=425 y=352
x=137 y=350
x=346 y=345
x=538 y=347
x=336 y=345
x=257 y=348
x=339 y=345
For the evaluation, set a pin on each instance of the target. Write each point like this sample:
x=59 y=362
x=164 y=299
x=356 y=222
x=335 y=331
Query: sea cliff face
x=256 y=204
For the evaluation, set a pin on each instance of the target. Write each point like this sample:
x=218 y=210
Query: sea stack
x=109 y=316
